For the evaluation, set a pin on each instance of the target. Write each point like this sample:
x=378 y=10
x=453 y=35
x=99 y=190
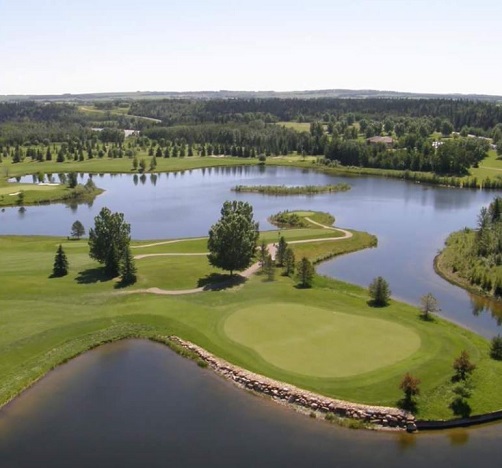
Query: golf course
x=327 y=338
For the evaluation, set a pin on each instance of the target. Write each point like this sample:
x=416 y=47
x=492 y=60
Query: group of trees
x=109 y=241
x=460 y=113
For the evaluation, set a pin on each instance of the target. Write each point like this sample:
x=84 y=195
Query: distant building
x=386 y=140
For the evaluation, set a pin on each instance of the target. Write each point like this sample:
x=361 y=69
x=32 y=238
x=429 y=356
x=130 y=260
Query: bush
x=496 y=348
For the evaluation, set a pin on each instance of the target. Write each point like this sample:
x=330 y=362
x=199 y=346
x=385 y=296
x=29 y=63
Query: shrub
x=496 y=348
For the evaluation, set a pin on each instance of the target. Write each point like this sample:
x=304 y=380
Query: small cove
x=136 y=403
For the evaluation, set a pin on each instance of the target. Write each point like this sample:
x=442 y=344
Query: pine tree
x=269 y=268
x=289 y=262
x=305 y=272
x=379 y=292
x=281 y=251
x=127 y=268
x=60 y=263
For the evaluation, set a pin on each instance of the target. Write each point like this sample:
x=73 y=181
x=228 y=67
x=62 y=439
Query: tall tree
x=281 y=251
x=77 y=229
x=232 y=240
x=269 y=268
x=306 y=272
x=60 y=263
x=109 y=239
x=127 y=268
x=289 y=262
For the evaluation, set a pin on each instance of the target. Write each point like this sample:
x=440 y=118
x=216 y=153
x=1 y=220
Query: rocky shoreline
x=378 y=417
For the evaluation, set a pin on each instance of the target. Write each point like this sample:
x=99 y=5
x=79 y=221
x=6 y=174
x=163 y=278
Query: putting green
x=318 y=342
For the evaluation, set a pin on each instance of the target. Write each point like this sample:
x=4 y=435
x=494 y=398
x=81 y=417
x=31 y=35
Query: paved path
x=272 y=250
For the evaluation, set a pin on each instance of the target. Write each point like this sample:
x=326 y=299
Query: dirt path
x=175 y=241
x=272 y=250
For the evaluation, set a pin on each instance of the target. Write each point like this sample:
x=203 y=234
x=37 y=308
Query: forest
x=444 y=137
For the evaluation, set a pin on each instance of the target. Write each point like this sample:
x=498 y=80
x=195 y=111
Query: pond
x=136 y=403
x=410 y=220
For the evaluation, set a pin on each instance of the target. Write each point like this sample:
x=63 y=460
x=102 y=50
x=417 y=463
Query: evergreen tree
x=269 y=268
x=496 y=348
x=281 y=251
x=127 y=268
x=289 y=262
x=305 y=273
x=379 y=292
x=60 y=263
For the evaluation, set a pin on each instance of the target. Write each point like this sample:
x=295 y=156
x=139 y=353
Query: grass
x=490 y=167
x=298 y=126
x=47 y=321
x=118 y=165
x=318 y=342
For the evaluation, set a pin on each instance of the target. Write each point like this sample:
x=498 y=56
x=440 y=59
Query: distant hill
x=224 y=94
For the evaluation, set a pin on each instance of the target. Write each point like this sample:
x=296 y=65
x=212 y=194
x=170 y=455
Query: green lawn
x=44 y=321
x=318 y=342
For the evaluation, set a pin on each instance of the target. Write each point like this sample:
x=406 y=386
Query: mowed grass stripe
x=318 y=342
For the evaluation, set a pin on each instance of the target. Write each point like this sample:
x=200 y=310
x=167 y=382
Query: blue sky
x=56 y=46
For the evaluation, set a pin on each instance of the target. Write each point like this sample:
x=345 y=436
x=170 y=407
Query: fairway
x=318 y=342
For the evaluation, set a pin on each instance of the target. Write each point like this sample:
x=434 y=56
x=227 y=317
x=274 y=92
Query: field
x=326 y=339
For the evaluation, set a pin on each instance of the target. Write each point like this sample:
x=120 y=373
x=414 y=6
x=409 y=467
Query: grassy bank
x=20 y=194
x=46 y=321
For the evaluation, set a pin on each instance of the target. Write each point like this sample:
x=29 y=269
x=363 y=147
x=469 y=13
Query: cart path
x=271 y=248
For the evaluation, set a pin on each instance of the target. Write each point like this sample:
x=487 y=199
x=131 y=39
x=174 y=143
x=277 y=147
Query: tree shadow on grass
x=219 y=281
x=377 y=305
x=92 y=275
x=303 y=286
x=426 y=318
x=461 y=407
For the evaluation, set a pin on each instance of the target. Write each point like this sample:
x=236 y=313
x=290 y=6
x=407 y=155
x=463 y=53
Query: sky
x=83 y=46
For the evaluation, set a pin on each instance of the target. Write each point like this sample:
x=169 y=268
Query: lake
x=410 y=220
x=135 y=403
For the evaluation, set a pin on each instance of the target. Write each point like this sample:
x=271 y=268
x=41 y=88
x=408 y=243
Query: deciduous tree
x=463 y=366
x=77 y=229
x=109 y=239
x=428 y=306
x=232 y=240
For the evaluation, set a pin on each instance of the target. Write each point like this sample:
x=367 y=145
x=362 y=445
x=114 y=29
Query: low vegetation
x=473 y=258
x=291 y=190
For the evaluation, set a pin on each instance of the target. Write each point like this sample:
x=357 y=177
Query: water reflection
x=410 y=220
x=482 y=304
x=139 y=404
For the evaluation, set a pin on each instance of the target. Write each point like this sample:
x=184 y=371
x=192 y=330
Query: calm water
x=137 y=404
x=410 y=220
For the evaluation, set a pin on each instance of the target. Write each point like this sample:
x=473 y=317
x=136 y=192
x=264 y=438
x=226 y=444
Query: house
x=386 y=140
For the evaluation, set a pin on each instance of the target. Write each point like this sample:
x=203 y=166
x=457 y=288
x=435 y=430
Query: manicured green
x=318 y=342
